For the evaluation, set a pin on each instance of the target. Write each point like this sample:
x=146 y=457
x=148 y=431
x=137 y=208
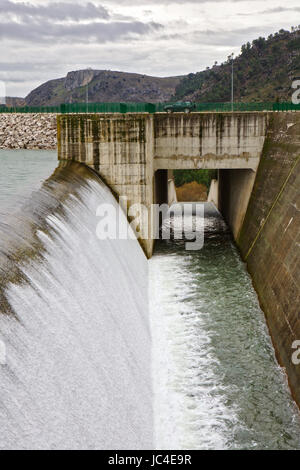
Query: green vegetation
x=200 y=176
x=264 y=71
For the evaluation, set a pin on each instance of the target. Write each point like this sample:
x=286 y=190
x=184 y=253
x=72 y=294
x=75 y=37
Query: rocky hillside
x=103 y=86
x=264 y=71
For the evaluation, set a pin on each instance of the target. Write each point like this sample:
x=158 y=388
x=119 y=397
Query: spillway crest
x=75 y=370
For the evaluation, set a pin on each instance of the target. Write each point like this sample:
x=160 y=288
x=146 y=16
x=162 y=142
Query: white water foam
x=77 y=372
x=186 y=416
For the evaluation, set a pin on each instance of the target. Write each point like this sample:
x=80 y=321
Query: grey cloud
x=17 y=66
x=277 y=10
x=55 y=11
x=212 y=38
x=77 y=33
x=43 y=23
x=14 y=79
x=270 y=11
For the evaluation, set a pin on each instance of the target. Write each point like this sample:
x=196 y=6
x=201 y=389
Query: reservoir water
x=75 y=323
x=21 y=173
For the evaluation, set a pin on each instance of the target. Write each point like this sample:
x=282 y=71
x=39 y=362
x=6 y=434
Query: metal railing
x=148 y=107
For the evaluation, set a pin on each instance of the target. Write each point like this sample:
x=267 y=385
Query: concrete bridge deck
x=195 y=140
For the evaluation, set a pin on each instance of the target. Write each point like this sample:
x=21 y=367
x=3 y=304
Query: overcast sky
x=42 y=40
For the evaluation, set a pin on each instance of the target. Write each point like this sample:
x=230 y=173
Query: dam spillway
x=78 y=357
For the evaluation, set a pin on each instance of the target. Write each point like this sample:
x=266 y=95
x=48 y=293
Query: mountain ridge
x=263 y=71
x=103 y=86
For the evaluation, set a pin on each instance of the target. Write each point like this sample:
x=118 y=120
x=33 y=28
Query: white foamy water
x=188 y=415
x=217 y=384
x=77 y=374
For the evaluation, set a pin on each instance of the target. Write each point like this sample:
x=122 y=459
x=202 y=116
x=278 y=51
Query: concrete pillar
x=120 y=148
x=235 y=188
x=213 y=195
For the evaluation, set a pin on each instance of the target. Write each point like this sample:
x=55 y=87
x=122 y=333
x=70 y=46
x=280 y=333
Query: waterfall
x=74 y=324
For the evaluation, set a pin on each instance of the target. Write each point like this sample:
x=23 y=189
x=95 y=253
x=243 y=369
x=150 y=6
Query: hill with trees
x=103 y=86
x=264 y=71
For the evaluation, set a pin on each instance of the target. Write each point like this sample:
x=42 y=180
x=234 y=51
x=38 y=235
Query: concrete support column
x=120 y=148
x=235 y=188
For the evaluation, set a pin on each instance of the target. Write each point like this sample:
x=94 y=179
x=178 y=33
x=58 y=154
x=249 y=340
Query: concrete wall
x=119 y=147
x=235 y=187
x=129 y=149
x=172 y=195
x=213 y=195
x=270 y=237
x=208 y=140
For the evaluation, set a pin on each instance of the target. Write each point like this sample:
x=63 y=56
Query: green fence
x=85 y=108
x=147 y=107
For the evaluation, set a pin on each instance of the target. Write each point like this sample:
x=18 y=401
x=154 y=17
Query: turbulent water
x=216 y=380
x=74 y=319
x=74 y=322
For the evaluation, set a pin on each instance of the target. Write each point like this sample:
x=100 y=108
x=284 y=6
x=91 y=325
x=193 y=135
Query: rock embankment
x=28 y=131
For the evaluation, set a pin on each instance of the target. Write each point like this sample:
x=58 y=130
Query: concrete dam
x=134 y=152
x=257 y=155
